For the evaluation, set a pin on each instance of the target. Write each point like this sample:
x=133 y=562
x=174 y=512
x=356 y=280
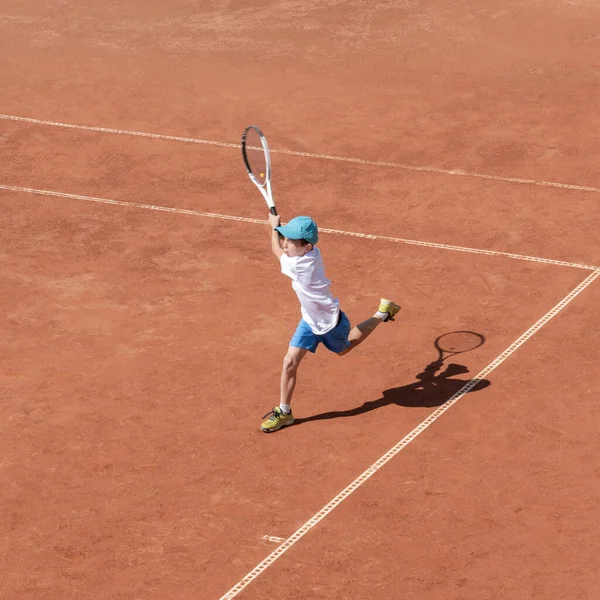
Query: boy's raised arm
x=275 y=221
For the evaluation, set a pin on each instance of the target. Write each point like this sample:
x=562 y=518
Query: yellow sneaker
x=277 y=419
x=389 y=307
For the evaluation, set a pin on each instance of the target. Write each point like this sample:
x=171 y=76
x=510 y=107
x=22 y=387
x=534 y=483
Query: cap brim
x=289 y=232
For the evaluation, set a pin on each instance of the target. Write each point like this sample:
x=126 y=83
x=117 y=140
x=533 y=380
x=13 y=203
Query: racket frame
x=450 y=353
x=265 y=188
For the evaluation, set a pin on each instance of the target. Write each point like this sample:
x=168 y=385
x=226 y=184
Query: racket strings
x=255 y=156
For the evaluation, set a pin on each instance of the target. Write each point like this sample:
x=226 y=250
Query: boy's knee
x=291 y=362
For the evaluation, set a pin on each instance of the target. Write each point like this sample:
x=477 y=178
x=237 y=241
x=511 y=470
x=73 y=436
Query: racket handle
x=273 y=210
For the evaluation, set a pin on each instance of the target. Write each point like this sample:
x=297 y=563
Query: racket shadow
x=434 y=386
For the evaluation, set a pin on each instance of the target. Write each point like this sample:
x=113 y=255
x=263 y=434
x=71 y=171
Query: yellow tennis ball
x=262 y=174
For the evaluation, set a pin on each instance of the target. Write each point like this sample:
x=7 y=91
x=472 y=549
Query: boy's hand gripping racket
x=258 y=163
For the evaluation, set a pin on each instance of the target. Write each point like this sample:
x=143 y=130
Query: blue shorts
x=335 y=340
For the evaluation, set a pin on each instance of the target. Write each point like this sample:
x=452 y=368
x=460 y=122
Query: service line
x=369 y=236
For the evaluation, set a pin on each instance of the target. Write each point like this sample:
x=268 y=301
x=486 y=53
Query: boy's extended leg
x=360 y=333
x=386 y=312
x=282 y=415
x=291 y=362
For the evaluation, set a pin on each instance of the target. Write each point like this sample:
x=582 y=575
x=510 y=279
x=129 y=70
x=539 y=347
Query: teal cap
x=300 y=228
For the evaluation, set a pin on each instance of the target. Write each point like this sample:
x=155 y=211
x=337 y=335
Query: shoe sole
x=264 y=430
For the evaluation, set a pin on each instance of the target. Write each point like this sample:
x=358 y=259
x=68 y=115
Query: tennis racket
x=258 y=163
x=457 y=342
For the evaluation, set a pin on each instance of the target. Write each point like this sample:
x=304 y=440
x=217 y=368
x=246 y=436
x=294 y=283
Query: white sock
x=286 y=408
x=382 y=315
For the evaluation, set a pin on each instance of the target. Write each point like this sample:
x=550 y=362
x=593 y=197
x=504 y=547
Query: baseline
x=434 y=416
x=183 y=211
x=459 y=172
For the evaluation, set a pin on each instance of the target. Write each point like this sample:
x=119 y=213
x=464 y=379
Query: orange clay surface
x=140 y=348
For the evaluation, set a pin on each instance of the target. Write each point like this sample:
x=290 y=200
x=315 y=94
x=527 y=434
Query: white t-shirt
x=319 y=308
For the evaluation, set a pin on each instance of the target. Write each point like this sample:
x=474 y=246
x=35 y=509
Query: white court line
x=157 y=136
x=434 y=416
x=361 y=161
x=183 y=211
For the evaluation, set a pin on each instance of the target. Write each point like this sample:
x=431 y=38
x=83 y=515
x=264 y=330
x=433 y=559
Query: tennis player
x=322 y=321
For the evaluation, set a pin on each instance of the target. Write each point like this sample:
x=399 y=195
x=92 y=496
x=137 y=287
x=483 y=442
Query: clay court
x=449 y=153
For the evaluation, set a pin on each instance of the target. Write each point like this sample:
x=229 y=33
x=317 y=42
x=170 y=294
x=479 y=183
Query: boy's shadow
x=428 y=391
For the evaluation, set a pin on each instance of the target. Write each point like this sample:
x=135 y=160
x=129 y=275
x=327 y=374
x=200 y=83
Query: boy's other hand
x=274 y=221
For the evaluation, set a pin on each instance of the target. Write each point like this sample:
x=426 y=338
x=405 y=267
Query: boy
x=322 y=320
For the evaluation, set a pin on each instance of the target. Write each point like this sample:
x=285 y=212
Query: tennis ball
x=262 y=174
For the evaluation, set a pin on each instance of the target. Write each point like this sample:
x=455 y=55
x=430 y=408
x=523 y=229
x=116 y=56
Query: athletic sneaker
x=389 y=307
x=277 y=419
